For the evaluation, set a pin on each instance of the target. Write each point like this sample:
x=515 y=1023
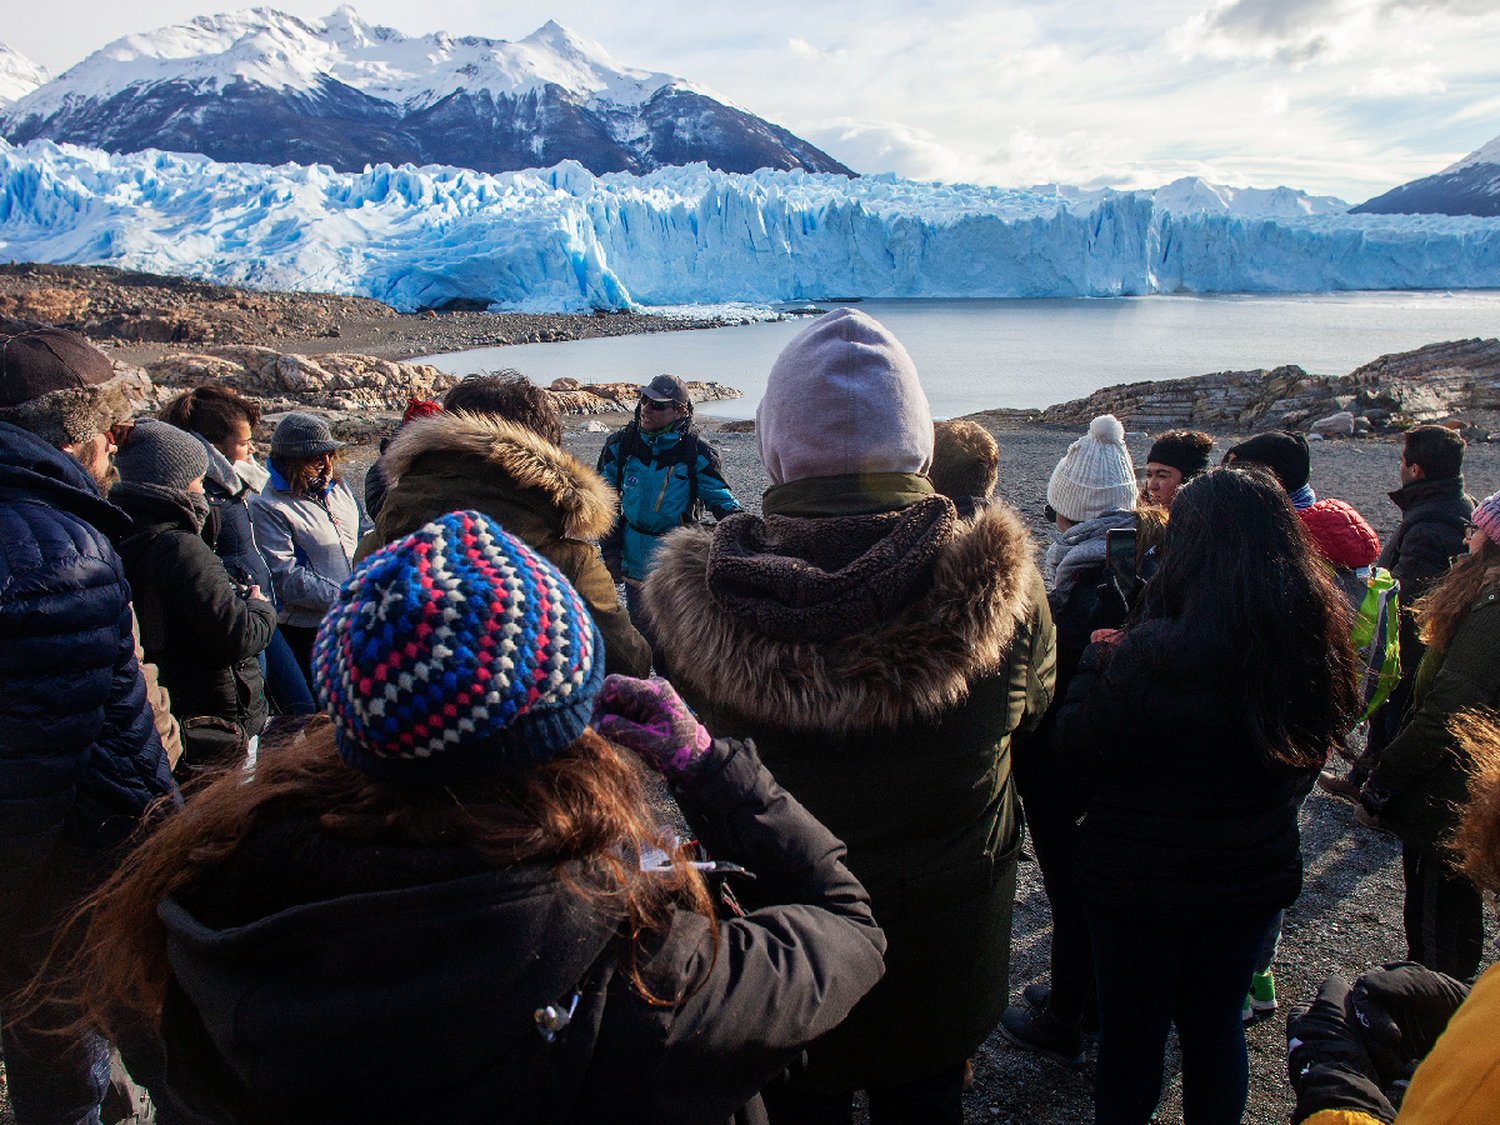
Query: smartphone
x=1119 y=552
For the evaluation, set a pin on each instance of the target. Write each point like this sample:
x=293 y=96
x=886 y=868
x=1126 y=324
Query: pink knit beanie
x=1487 y=517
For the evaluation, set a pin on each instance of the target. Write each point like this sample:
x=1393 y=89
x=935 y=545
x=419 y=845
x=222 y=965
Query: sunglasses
x=658 y=404
x=120 y=432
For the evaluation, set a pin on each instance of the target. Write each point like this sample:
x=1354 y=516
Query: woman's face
x=236 y=444
x=1162 y=483
x=1475 y=539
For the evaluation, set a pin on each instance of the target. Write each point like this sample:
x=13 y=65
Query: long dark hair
x=1240 y=573
x=583 y=809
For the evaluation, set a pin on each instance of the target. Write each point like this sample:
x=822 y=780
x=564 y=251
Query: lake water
x=980 y=354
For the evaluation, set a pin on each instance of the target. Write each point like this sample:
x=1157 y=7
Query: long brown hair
x=583 y=810
x=1477 y=841
x=1441 y=609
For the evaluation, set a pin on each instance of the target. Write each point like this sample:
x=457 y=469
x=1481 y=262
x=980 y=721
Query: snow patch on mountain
x=281 y=52
x=564 y=239
x=1487 y=154
x=18 y=75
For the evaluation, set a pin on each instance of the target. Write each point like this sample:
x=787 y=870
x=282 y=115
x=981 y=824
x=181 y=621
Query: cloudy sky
x=1341 y=97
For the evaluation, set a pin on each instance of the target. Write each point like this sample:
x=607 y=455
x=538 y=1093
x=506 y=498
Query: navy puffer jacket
x=78 y=748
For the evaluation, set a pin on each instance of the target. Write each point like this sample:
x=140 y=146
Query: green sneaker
x=1262 y=996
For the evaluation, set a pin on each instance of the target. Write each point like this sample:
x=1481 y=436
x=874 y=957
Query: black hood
x=355 y=1006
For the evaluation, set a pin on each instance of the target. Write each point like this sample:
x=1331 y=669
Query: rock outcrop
x=333 y=381
x=1455 y=381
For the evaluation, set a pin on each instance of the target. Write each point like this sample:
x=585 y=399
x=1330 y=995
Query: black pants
x=1444 y=915
x=1053 y=824
x=934 y=1100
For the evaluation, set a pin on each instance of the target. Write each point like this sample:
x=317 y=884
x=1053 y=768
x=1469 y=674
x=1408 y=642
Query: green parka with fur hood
x=537 y=491
x=881 y=652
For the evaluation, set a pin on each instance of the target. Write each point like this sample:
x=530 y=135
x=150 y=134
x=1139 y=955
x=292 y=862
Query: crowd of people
x=325 y=811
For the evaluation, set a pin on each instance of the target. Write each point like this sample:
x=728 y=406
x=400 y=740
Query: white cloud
x=1386 y=83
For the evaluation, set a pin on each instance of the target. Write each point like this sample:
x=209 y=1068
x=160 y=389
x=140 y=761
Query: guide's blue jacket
x=661 y=477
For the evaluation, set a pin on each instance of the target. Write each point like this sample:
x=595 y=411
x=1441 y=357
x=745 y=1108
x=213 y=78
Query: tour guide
x=665 y=475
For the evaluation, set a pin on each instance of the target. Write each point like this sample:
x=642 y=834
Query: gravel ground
x=1349 y=915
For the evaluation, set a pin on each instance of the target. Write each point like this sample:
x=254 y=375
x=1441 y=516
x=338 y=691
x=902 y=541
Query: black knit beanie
x=1184 y=450
x=1285 y=454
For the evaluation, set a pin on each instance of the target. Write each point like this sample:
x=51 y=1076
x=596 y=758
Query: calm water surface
x=979 y=354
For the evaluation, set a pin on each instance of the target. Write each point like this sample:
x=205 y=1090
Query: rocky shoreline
x=346 y=357
x=141 y=316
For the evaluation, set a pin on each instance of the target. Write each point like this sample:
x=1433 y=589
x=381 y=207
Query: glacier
x=563 y=239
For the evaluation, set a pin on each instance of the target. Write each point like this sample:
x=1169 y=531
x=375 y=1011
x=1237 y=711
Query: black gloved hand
x=1326 y=1058
x=1319 y=1032
x=1375 y=797
x=1402 y=1008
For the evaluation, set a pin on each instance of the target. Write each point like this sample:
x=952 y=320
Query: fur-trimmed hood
x=913 y=666
x=588 y=505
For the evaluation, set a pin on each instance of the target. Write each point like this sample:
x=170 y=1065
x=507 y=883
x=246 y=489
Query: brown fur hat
x=56 y=385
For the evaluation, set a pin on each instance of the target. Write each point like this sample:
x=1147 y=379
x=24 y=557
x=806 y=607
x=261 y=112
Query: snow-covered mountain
x=18 y=75
x=1470 y=187
x=263 y=86
x=564 y=239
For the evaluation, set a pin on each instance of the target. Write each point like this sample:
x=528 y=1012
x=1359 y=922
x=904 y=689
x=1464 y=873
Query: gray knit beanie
x=843 y=398
x=1095 y=474
x=303 y=435
x=161 y=454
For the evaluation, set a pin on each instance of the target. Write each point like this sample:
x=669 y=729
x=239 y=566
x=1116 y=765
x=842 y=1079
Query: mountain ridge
x=262 y=86
x=1470 y=186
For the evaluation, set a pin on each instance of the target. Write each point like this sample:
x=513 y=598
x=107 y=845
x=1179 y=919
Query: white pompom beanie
x=1095 y=474
x=843 y=398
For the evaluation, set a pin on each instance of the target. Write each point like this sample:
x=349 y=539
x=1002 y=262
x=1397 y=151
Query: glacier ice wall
x=564 y=239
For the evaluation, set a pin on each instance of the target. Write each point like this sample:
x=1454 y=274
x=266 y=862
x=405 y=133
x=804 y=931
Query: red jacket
x=1341 y=534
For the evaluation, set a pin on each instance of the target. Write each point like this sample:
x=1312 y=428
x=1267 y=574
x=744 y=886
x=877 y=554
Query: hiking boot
x=1338 y=785
x=1370 y=821
x=1262 y=997
x=1039 y=995
x=1035 y=1029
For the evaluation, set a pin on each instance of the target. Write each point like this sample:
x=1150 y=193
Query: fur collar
x=531 y=461
x=911 y=667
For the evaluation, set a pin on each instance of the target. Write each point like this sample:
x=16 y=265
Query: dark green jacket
x=1423 y=766
x=538 y=492
x=895 y=734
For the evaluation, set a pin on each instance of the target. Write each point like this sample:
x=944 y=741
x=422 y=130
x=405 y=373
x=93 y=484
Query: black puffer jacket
x=195 y=627
x=325 y=980
x=78 y=748
x=1184 y=818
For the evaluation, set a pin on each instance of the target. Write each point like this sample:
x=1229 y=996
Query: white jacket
x=309 y=547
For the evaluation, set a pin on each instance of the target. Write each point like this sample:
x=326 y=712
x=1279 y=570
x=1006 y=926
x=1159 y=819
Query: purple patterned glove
x=649 y=717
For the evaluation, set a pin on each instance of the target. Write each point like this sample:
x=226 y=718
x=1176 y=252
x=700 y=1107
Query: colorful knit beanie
x=456 y=654
x=1487 y=517
x=1095 y=474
